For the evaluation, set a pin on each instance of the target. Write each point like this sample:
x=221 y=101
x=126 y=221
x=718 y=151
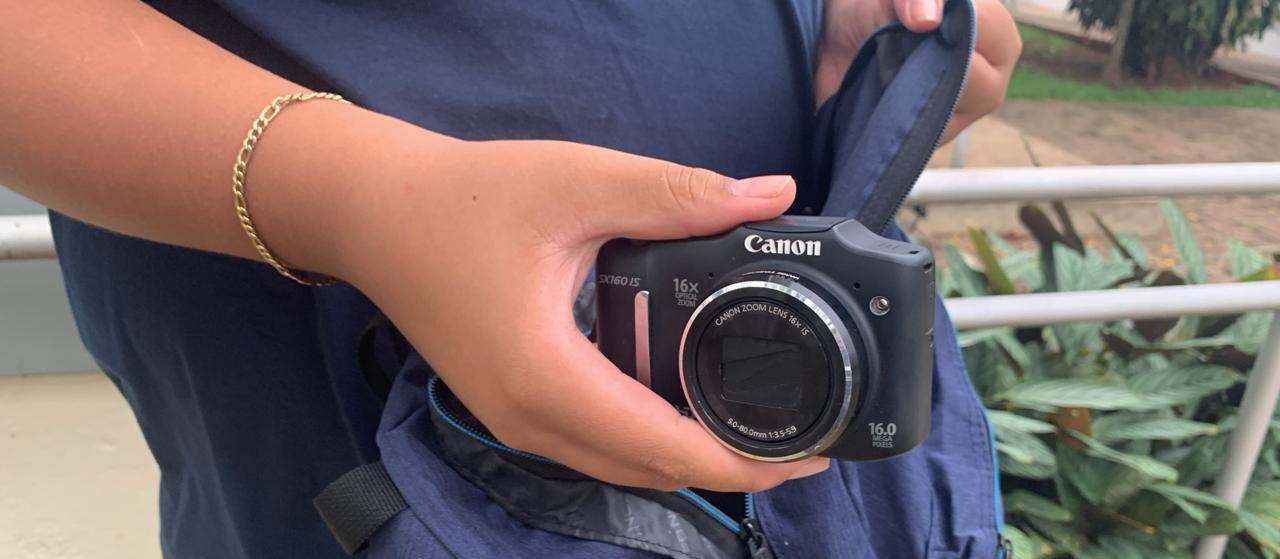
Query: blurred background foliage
x=1110 y=434
x=1054 y=67
x=1162 y=38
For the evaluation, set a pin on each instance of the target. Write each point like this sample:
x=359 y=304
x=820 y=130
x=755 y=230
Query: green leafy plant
x=1110 y=434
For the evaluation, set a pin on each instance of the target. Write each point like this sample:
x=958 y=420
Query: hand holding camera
x=488 y=259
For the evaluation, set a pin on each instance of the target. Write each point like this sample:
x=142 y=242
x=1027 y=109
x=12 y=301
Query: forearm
x=116 y=115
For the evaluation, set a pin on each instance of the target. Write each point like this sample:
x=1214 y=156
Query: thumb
x=919 y=16
x=673 y=201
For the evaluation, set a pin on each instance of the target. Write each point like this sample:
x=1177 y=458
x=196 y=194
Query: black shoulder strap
x=380 y=340
x=357 y=504
x=360 y=502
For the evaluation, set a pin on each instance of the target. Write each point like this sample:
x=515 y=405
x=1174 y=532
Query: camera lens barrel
x=771 y=364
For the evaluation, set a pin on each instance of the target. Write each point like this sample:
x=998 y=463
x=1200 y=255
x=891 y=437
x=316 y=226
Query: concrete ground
x=76 y=479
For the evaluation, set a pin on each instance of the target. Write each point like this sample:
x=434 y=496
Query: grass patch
x=1058 y=68
x=1039 y=40
x=1038 y=85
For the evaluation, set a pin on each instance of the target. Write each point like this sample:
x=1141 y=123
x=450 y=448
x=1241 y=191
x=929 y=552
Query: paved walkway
x=1254 y=66
x=1093 y=134
x=993 y=142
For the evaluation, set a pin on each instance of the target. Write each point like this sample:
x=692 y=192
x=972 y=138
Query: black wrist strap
x=357 y=504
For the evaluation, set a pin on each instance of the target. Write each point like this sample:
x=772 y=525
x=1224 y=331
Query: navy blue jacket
x=247 y=387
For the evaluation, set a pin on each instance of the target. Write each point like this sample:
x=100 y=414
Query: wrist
x=321 y=178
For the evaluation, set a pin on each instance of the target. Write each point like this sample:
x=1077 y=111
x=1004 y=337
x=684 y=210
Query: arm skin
x=118 y=116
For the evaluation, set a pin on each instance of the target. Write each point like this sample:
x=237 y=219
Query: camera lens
x=770 y=365
x=763 y=358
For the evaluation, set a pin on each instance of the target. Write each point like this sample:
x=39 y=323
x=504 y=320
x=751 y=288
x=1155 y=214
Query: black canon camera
x=789 y=338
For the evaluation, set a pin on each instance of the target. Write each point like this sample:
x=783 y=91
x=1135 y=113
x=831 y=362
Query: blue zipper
x=688 y=495
x=481 y=437
x=711 y=509
x=1004 y=547
x=955 y=102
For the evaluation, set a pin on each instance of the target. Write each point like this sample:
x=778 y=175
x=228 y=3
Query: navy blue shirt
x=246 y=385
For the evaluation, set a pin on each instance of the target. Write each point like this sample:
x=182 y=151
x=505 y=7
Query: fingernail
x=926 y=10
x=760 y=187
x=812 y=467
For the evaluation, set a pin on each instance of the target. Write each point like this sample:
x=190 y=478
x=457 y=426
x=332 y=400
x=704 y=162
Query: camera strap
x=357 y=504
x=875 y=136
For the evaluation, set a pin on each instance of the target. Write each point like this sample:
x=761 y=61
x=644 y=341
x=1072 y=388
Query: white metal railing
x=28 y=237
x=1036 y=309
x=1262 y=387
x=1256 y=406
x=25 y=237
x=1096 y=182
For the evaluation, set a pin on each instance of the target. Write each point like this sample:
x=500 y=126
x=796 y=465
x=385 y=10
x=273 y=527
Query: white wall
x=37 y=333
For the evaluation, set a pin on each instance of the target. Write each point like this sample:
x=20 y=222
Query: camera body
x=789 y=338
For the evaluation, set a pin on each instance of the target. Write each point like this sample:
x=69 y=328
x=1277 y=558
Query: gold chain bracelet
x=242 y=165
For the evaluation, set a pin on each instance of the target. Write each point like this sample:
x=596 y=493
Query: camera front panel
x=893 y=282
x=648 y=291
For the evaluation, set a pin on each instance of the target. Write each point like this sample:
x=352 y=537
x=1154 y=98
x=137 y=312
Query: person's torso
x=246 y=385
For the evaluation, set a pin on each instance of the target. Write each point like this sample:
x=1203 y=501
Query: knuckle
x=994 y=102
x=687 y=186
x=703 y=183
x=678 y=186
x=982 y=103
x=684 y=189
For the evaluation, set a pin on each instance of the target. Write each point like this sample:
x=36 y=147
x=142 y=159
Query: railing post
x=960 y=149
x=1256 y=408
x=25 y=237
